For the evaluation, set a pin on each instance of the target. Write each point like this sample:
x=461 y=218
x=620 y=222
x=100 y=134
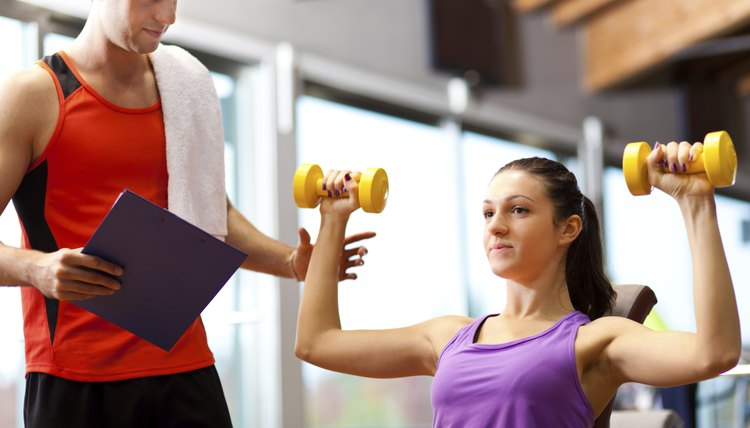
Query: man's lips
x=154 y=33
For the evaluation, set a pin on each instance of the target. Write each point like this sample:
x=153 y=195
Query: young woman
x=551 y=357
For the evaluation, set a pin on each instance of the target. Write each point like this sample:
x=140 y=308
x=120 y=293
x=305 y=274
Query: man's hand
x=350 y=257
x=71 y=275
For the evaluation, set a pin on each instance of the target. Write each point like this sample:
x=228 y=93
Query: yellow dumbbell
x=308 y=188
x=718 y=161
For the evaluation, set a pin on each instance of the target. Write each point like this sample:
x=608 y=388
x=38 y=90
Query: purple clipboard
x=172 y=269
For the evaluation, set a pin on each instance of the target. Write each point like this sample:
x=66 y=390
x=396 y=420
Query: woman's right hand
x=343 y=193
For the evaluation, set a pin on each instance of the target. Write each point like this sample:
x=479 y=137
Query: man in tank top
x=75 y=130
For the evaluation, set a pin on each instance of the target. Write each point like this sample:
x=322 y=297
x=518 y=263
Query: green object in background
x=655 y=322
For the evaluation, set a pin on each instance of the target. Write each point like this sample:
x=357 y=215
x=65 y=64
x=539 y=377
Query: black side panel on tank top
x=29 y=204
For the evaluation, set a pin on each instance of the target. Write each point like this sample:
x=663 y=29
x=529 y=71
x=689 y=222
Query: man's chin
x=144 y=48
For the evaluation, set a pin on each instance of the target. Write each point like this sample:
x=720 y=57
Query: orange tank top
x=97 y=150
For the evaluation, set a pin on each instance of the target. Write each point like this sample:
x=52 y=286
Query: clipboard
x=172 y=269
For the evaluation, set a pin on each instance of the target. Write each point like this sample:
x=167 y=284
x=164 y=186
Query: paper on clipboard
x=172 y=269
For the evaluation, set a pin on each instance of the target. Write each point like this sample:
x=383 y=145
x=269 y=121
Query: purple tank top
x=527 y=383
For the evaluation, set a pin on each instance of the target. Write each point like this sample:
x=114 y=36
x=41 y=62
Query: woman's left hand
x=667 y=166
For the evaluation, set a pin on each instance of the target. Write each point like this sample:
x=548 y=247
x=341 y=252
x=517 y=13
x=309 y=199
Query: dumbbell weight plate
x=306 y=180
x=634 y=167
x=720 y=159
x=373 y=190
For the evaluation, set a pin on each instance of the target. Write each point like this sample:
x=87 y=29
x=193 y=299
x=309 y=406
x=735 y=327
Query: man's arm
x=28 y=117
x=264 y=254
x=20 y=128
x=270 y=256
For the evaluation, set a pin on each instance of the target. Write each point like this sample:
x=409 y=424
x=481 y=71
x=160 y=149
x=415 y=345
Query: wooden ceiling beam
x=530 y=5
x=743 y=86
x=634 y=36
x=567 y=12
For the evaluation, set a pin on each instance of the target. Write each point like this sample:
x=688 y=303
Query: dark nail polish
x=337 y=193
x=673 y=167
x=324 y=186
x=684 y=168
x=347 y=177
x=329 y=194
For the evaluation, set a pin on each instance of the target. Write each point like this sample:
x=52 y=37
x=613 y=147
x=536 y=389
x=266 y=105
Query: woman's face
x=520 y=237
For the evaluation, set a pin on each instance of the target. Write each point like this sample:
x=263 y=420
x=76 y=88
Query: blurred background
x=440 y=93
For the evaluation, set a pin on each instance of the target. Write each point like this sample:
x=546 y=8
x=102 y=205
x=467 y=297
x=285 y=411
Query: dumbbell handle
x=320 y=192
x=696 y=166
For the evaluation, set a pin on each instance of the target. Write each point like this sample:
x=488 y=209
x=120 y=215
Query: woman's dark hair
x=589 y=288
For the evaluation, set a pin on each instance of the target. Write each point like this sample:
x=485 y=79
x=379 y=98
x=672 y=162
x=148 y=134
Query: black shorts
x=192 y=399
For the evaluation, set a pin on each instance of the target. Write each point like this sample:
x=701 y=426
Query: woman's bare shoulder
x=600 y=332
x=441 y=330
x=450 y=322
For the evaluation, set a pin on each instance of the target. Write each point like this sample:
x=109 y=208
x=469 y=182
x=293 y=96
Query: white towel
x=195 y=139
